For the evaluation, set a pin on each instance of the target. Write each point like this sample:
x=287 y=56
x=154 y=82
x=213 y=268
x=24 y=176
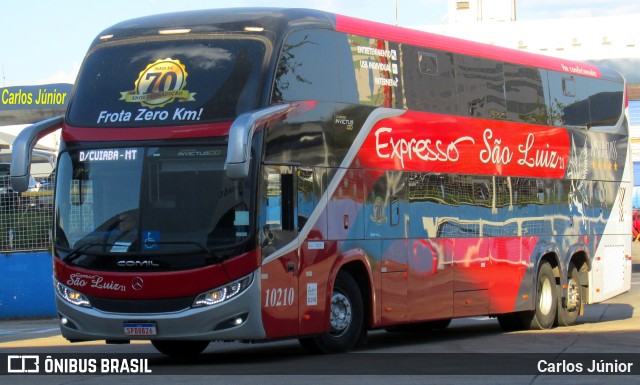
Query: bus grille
x=143 y=306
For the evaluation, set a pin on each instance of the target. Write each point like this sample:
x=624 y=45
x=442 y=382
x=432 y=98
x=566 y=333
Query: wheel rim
x=573 y=295
x=341 y=314
x=545 y=297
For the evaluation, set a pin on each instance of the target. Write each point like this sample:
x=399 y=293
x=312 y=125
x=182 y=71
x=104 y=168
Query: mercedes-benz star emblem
x=137 y=283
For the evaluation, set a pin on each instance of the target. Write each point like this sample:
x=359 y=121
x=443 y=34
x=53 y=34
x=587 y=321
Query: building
x=607 y=41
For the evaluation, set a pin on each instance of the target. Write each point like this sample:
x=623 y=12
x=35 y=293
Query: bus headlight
x=221 y=294
x=72 y=296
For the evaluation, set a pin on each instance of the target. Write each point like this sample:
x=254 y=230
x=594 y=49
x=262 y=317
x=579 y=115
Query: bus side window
x=307 y=68
x=378 y=71
x=569 y=100
x=307 y=197
x=527 y=94
x=480 y=86
x=278 y=211
x=429 y=80
x=605 y=103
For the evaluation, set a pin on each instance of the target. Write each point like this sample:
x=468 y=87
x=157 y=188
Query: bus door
x=279 y=248
x=316 y=251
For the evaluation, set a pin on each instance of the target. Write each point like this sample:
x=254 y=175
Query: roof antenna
x=396 y=12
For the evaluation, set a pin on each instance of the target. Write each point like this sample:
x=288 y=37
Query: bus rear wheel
x=569 y=307
x=544 y=315
x=346 y=319
x=180 y=348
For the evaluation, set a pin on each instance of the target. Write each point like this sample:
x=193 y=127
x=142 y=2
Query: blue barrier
x=26 y=288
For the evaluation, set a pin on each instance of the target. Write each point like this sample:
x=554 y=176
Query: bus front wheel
x=346 y=319
x=180 y=348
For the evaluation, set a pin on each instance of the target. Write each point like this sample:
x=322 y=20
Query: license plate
x=140 y=329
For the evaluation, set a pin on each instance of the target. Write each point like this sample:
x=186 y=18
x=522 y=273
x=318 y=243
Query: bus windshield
x=142 y=83
x=154 y=200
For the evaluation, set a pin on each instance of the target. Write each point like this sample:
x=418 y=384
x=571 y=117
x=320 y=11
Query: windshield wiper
x=75 y=253
x=200 y=246
x=78 y=251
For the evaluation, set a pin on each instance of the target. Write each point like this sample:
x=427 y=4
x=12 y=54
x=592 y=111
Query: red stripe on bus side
x=425 y=39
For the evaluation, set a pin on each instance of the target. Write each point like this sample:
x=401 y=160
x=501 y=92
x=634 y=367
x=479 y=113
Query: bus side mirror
x=240 y=135
x=22 y=148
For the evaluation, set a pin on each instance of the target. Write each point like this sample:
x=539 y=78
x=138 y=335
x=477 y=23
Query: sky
x=44 y=41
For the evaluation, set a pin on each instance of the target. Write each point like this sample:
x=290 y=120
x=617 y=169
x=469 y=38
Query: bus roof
x=277 y=20
x=282 y=20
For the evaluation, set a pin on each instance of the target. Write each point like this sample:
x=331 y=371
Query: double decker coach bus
x=257 y=174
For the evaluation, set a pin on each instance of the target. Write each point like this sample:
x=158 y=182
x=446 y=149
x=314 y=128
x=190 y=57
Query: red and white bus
x=257 y=174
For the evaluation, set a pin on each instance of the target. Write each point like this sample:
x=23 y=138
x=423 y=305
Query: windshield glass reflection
x=149 y=200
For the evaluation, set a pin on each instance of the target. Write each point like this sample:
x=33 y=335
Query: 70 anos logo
x=159 y=84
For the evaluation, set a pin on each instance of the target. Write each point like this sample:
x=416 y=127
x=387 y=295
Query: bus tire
x=346 y=319
x=180 y=348
x=544 y=314
x=569 y=306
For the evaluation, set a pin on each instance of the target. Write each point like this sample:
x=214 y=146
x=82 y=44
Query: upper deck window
x=315 y=65
x=168 y=82
x=480 y=87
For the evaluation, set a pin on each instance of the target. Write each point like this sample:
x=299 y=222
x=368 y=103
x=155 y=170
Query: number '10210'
x=279 y=297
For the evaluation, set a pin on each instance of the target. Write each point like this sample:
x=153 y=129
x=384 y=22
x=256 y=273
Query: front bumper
x=202 y=323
